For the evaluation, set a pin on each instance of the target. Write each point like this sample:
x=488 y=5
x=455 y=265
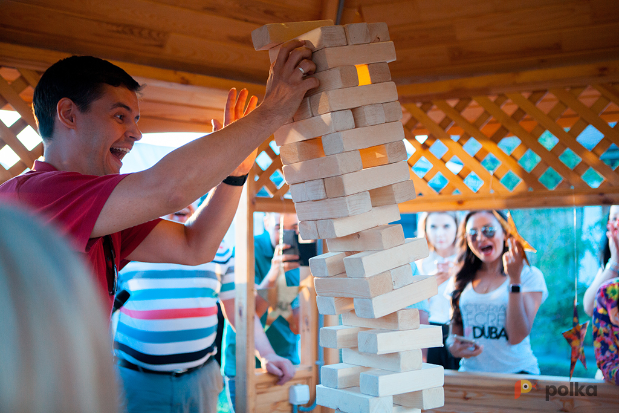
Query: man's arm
x=193 y=169
x=275 y=365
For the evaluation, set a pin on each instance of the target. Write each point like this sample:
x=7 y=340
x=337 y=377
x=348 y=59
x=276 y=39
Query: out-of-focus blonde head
x=55 y=351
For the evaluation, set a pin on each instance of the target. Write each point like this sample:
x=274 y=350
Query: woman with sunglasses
x=494 y=301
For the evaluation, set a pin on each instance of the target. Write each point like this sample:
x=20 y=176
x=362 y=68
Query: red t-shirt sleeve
x=70 y=200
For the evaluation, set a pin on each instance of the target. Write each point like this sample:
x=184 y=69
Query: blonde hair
x=55 y=351
x=423 y=221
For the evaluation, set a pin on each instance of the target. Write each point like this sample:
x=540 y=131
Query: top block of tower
x=271 y=35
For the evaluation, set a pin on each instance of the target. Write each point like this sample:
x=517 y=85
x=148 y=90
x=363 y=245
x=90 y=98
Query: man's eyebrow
x=123 y=106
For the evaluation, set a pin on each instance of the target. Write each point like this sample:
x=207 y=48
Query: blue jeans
x=195 y=392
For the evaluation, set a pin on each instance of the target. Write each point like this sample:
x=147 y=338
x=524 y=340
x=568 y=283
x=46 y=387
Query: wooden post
x=245 y=302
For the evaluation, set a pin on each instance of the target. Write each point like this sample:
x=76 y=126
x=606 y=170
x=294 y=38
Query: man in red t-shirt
x=87 y=112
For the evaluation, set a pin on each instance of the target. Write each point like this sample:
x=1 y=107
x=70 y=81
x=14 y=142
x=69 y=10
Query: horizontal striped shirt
x=169 y=322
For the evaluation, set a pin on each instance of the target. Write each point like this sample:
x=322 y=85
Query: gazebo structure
x=495 y=97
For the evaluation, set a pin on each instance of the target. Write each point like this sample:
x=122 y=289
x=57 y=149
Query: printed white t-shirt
x=440 y=305
x=483 y=319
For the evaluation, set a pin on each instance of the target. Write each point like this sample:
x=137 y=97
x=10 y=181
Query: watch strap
x=236 y=180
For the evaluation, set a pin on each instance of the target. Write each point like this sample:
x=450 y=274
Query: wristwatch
x=514 y=288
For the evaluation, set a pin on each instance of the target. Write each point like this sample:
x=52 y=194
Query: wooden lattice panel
x=516 y=146
x=16 y=89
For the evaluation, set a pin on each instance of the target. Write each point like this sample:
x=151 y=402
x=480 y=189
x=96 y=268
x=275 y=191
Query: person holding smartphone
x=495 y=298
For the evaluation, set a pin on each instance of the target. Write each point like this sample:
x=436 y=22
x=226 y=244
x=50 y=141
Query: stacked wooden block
x=345 y=161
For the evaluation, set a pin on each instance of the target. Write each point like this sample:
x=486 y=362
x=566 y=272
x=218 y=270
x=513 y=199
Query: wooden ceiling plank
x=153 y=15
x=587 y=114
x=41 y=59
x=592 y=160
x=255 y=11
x=490 y=146
x=529 y=140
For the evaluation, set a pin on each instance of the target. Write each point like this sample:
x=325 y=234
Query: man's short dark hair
x=79 y=78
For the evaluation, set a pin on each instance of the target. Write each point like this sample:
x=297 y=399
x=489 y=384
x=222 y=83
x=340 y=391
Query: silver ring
x=301 y=69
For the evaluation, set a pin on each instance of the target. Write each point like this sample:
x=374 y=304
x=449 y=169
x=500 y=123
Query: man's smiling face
x=107 y=131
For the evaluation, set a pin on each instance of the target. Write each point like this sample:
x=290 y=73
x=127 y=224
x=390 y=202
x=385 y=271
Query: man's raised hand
x=235 y=109
x=287 y=84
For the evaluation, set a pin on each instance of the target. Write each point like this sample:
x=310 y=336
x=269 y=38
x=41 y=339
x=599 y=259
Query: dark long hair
x=468 y=265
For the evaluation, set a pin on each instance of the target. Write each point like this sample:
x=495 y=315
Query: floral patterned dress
x=606 y=330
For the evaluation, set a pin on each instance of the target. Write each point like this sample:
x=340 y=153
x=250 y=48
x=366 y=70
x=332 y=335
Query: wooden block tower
x=345 y=161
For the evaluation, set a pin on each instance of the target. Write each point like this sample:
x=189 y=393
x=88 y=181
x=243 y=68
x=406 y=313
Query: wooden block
x=379 y=72
x=314 y=127
x=336 y=78
x=386 y=383
x=374 y=239
x=308 y=191
x=398 y=362
x=366 y=179
x=368 y=263
x=394 y=341
x=298 y=193
x=304 y=111
x=334 y=228
x=341 y=375
x=423 y=287
x=319 y=38
x=358 y=54
x=431 y=398
x=339 y=336
x=342 y=286
x=344 y=206
x=393 y=194
x=402 y=276
x=393 y=111
x=341 y=163
x=379 y=32
x=315 y=189
x=352 y=97
x=360 y=138
x=406 y=319
x=327 y=264
x=302 y=151
x=334 y=305
x=369 y=115
x=401 y=409
x=308 y=230
x=383 y=154
x=357 y=33
x=271 y=35
x=352 y=400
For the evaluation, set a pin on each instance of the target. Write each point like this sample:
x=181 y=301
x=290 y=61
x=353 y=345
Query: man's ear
x=66 y=113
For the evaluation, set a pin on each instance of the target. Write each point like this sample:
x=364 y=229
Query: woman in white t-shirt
x=440 y=229
x=495 y=300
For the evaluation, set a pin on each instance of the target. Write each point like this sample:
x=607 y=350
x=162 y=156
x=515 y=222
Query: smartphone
x=305 y=250
x=465 y=340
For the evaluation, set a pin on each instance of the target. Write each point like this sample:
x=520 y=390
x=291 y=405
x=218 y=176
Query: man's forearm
x=209 y=224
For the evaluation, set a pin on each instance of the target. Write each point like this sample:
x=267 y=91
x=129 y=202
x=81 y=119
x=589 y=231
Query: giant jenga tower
x=345 y=160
